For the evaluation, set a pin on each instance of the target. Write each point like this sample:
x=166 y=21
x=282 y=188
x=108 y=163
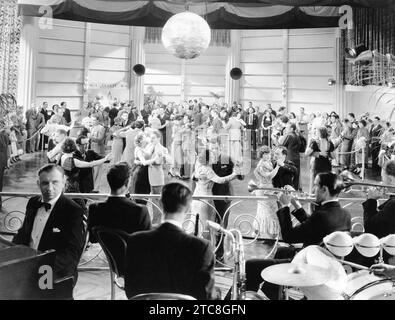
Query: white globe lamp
x=186 y=35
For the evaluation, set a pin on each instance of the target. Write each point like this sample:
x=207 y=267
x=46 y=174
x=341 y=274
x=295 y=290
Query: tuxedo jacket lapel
x=30 y=216
x=53 y=218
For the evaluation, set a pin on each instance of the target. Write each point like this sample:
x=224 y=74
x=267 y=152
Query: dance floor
x=96 y=284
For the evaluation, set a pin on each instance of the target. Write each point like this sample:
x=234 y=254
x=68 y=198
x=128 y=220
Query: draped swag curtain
x=220 y=38
x=10 y=33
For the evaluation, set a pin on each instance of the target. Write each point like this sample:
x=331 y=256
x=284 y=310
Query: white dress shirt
x=39 y=223
x=251 y=119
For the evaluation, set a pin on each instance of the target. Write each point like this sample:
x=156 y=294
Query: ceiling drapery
x=240 y=14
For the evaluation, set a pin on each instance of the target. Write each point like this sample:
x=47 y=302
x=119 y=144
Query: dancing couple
x=213 y=174
x=148 y=173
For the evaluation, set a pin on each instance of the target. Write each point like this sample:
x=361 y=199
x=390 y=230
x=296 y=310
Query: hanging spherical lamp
x=186 y=35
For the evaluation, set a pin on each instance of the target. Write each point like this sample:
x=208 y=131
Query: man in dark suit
x=286 y=173
x=375 y=135
x=88 y=155
x=118 y=212
x=251 y=120
x=113 y=113
x=66 y=113
x=223 y=166
x=145 y=113
x=292 y=142
x=328 y=217
x=53 y=221
x=47 y=113
x=380 y=220
x=167 y=259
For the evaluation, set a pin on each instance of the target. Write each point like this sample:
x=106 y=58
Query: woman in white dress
x=206 y=178
x=266 y=222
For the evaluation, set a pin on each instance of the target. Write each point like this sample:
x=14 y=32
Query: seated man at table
x=327 y=217
x=167 y=259
x=118 y=212
x=53 y=221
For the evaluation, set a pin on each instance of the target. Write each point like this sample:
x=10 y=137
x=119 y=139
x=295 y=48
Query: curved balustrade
x=242 y=221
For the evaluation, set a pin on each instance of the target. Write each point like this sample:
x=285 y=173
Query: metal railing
x=13 y=219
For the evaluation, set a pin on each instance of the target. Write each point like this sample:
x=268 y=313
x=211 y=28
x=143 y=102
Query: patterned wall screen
x=10 y=32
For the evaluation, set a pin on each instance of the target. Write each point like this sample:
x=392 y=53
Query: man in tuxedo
x=222 y=166
x=66 y=113
x=88 y=155
x=287 y=172
x=375 y=133
x=47 y=113
x=167 y=259
x=118 y=212
x=292 y=142
x=327 y=217
x=53 y=221
x=380 y=220
x=251 y=120
x=164 y=122
x=113 y=113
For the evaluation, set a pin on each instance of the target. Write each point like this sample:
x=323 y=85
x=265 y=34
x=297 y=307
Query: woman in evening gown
x=206 y=178
x=266 y=223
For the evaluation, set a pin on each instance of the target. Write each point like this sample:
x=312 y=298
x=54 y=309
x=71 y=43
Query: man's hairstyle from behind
x=332 y=181
x=389 y=168
x=175 y=196
x=69 y=146
x=50 y=167
x=118 y=175
x=293 y=126
x=284 y=119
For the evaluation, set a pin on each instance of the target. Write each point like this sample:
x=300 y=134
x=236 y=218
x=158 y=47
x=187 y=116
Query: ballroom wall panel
x=60 y=64
x=289 y=67
x=297 y=63
x=311 y=62
x=65 y=60
x=202 y=76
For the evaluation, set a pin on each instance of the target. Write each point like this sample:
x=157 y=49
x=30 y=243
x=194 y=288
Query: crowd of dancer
x=185 y=140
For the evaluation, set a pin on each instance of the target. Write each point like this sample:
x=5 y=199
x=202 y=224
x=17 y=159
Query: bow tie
x=46 y=205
